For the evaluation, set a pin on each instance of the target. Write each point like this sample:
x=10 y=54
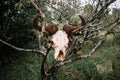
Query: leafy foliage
x=16 y=28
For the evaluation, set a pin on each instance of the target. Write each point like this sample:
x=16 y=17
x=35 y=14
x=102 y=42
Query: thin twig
x=100 y=12
x=68 y=55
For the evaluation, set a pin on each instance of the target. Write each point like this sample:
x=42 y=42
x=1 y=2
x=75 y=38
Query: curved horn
x=70 y=29
x=51 y=29
x=83 y=22
x=35 y=23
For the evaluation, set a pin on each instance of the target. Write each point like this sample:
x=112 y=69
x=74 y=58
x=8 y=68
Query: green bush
x=116 y=66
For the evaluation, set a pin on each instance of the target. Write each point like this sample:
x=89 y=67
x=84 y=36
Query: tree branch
x=100 y=12
x=39 y=11
x=57 y=65
x=22 y=49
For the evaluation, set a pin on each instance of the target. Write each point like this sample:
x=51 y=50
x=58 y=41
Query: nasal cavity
x=61 y=55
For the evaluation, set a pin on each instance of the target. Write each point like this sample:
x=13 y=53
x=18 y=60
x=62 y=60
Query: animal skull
x=60 y=38
x=60 y=44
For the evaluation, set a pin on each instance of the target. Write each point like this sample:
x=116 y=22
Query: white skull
x=59 y=37
x=60 y=44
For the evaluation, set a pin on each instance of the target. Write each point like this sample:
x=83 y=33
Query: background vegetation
x=16 y=29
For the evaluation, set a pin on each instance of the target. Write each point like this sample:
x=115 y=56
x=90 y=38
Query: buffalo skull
x=60 y=38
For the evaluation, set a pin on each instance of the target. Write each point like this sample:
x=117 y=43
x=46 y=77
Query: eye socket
x=51 y=42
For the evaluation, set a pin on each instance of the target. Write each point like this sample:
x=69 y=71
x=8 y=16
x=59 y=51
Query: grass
x=26 y=66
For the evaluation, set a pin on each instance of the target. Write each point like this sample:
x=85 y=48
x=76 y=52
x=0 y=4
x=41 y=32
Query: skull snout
x=60 y=55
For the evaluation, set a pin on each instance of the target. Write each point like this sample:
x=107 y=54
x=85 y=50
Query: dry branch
x=22 y=49
x=57 y=65
x=54 y=67
x=39 y=11
x=101 y=11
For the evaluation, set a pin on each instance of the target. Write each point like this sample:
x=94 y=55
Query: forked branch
x=101 y=11
x=70 y=60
